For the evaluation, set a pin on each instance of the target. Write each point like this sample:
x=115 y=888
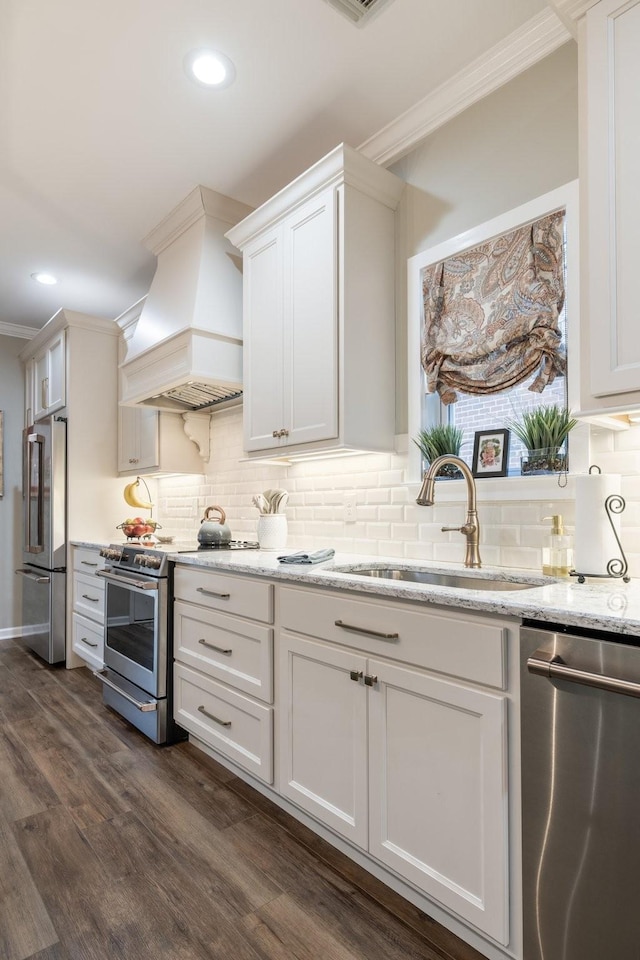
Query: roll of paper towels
x=594 y=542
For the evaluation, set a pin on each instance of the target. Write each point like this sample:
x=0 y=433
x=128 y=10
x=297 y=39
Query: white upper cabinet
x=150 y=442
x=49 y=378
x=319 y=311
x=610 y=113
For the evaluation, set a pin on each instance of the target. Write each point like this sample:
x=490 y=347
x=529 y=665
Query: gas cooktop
x=211 y=547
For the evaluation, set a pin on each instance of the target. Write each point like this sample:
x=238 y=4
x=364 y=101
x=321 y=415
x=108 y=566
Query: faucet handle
x=466 y=528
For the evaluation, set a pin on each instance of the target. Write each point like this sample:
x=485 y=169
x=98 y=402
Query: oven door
x=135 y=638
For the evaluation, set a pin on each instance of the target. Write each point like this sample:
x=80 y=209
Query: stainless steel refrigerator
x=44 y=495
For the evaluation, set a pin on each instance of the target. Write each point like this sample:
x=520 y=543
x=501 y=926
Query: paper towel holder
x=617 y=567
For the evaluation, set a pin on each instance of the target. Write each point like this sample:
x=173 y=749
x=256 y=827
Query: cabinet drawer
x=455 y=644
x=229 y=722
x=87 y=641
x=88 y=596
x=230 y=649
x=86 y=560
x=219 y=591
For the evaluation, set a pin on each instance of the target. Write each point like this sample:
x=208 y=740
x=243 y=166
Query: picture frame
x=490 y=453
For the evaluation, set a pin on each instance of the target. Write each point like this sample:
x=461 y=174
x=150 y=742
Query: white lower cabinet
x=87 y=618
x=406 y=764
x=223 y=671
x=236 y=725
x=391 y=727
x=438 y=792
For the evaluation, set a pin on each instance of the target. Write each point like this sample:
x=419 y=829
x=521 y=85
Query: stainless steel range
x=137 y=677
x=137 y=674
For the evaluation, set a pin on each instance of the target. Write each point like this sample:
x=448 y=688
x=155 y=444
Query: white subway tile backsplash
x=404 y=531
x=388 y=521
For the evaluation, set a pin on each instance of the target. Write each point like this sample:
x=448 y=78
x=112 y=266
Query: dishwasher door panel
x=581 y=799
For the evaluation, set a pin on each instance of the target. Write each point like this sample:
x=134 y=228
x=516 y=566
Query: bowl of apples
x=136 y=528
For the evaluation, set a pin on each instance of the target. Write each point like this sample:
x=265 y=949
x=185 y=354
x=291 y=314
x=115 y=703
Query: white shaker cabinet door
x=291 y=329
x=311 y=321
x=612 y=113
x=438 y=791
x=323 y=735
x=50 y=378
x=263 y=350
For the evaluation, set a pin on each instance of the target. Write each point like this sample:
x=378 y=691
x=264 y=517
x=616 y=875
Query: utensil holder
x=272 y=531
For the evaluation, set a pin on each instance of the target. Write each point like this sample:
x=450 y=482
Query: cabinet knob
x=133 y=459
x=276 y=434
x=370 y=681
x=355 y=675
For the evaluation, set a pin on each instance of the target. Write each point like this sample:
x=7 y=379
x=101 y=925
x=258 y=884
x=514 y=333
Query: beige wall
x=12 y=404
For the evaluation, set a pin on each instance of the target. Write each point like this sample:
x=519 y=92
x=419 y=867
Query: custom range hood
x=185 y=351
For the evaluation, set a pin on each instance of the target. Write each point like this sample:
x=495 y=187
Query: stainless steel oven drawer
x=145 y=712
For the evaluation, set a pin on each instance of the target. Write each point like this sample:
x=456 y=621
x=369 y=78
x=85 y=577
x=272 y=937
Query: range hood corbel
x=197 y=427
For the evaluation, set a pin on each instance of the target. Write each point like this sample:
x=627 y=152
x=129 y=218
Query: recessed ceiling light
x=47 y=278
x=210 y=68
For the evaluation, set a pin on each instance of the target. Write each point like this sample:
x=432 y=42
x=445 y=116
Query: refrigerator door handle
x=34 y=439
x=30 y=575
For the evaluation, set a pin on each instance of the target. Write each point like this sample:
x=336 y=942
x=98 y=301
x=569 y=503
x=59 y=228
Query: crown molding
x=536 y=39
x=15 y=330
x=570 y=11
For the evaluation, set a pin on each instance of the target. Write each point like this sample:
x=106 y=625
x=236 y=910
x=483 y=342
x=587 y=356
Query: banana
x=133 y=500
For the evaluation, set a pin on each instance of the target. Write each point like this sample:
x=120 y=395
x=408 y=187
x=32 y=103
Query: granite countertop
x=597 y=604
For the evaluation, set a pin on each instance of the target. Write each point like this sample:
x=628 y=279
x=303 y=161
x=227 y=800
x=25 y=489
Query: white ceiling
x=102 y=133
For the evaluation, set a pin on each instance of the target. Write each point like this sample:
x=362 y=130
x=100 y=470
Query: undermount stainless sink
x=458 y=580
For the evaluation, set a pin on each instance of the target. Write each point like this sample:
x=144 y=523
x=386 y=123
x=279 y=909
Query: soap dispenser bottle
x=557 y=557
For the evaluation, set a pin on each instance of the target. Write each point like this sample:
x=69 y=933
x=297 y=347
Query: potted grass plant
x=544 y=432
x=439 y=440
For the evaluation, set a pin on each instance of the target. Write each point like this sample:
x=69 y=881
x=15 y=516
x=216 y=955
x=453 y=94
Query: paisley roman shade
x=491 y=313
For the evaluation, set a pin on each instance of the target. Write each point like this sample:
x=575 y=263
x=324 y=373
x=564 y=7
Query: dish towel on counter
x=594 y=543
x=302 y=557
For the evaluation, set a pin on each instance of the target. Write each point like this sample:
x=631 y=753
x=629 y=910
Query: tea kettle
x=214 y=532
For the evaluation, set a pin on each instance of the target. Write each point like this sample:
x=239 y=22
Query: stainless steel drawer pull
x=212 y=646
x=355 y=675
x=88 y=642
x=89 y=563
x=212 y=593
x=86 y=596
x=145 y=707
x=554 y=668
x=223 y=723
x=366 y=631
x=369 y=680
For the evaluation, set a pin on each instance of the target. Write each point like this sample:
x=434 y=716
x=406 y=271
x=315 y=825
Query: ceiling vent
x=358 y=11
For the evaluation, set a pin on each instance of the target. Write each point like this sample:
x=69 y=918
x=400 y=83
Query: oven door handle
x=126 y=582
x=145 y=706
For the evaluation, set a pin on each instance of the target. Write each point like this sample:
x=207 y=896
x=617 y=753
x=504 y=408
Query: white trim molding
x=16 y=330
x=539 y=37
x=570 y=11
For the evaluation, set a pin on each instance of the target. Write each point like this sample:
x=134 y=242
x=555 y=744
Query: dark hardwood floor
x=111 y=847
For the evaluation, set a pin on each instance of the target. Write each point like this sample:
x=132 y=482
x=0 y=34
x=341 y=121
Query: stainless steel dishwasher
x=580 y=726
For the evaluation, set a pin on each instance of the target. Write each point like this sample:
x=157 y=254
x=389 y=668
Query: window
x=490 y=411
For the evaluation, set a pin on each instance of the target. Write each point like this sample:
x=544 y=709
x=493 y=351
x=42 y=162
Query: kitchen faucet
x=471 y=526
